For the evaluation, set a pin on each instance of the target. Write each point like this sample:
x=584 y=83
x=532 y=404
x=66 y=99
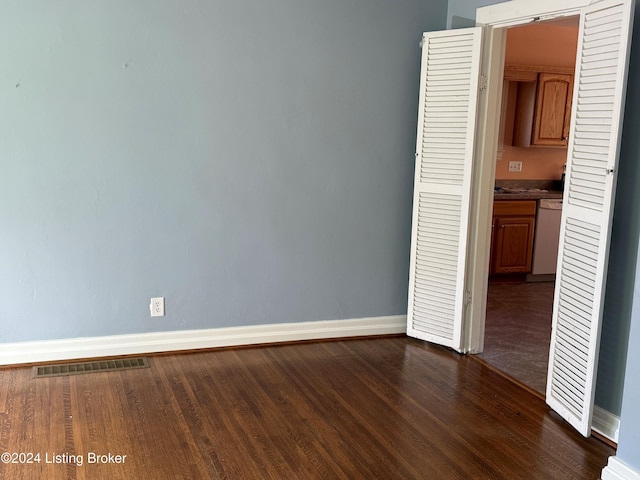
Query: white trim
x=482 y=201
x=605 y=423
x=517 y=12
x=618 y=470
x=133 y=344
x=497 y=17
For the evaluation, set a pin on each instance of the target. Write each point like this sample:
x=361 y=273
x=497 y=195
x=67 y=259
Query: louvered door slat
x=598 y=102
x=446 y=134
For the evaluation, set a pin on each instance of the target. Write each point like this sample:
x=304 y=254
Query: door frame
x=495 y=18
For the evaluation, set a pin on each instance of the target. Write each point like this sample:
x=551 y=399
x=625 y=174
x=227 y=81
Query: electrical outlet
x=515 y=166
x=156 y=307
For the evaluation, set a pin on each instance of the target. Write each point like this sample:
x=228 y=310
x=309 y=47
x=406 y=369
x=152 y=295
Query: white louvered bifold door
x=596 y=120
x=444 y=152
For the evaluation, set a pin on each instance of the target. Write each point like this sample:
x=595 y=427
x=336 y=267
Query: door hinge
x=482 y=83
x=467 y=297
x=423 y=41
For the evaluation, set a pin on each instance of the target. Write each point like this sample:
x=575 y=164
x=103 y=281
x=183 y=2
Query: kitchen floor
x=518 y=330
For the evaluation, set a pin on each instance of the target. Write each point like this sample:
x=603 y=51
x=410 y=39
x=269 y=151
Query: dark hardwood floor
x=518 y=331
x=387 y=408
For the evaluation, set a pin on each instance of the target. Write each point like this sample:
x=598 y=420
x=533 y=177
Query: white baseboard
x=618 y=470
x=133 y=344
x=605 y=423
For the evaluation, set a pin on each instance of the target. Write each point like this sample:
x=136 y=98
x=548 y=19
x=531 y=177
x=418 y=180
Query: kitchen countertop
x=527 y=195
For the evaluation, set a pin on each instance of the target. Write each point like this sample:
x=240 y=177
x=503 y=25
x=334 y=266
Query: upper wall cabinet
x=536 y=106
x=553 y=110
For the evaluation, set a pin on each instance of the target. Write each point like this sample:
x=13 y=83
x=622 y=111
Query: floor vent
x=62 y=369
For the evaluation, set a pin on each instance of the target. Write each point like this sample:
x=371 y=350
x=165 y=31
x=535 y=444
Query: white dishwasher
x=547 y=237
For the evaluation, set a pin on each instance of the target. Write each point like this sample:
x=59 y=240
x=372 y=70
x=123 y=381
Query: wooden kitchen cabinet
x=553 y=110
x=512 y=236
x=536 y=106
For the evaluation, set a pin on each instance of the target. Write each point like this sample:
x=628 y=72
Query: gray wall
x=625 y=286
x=462 y=13
x=250 y=161
x=629 y=438
x=624 y=247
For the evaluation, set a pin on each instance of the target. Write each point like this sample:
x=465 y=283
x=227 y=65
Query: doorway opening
x=520 y=298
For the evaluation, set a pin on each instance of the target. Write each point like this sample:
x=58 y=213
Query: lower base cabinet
x=512 y=236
